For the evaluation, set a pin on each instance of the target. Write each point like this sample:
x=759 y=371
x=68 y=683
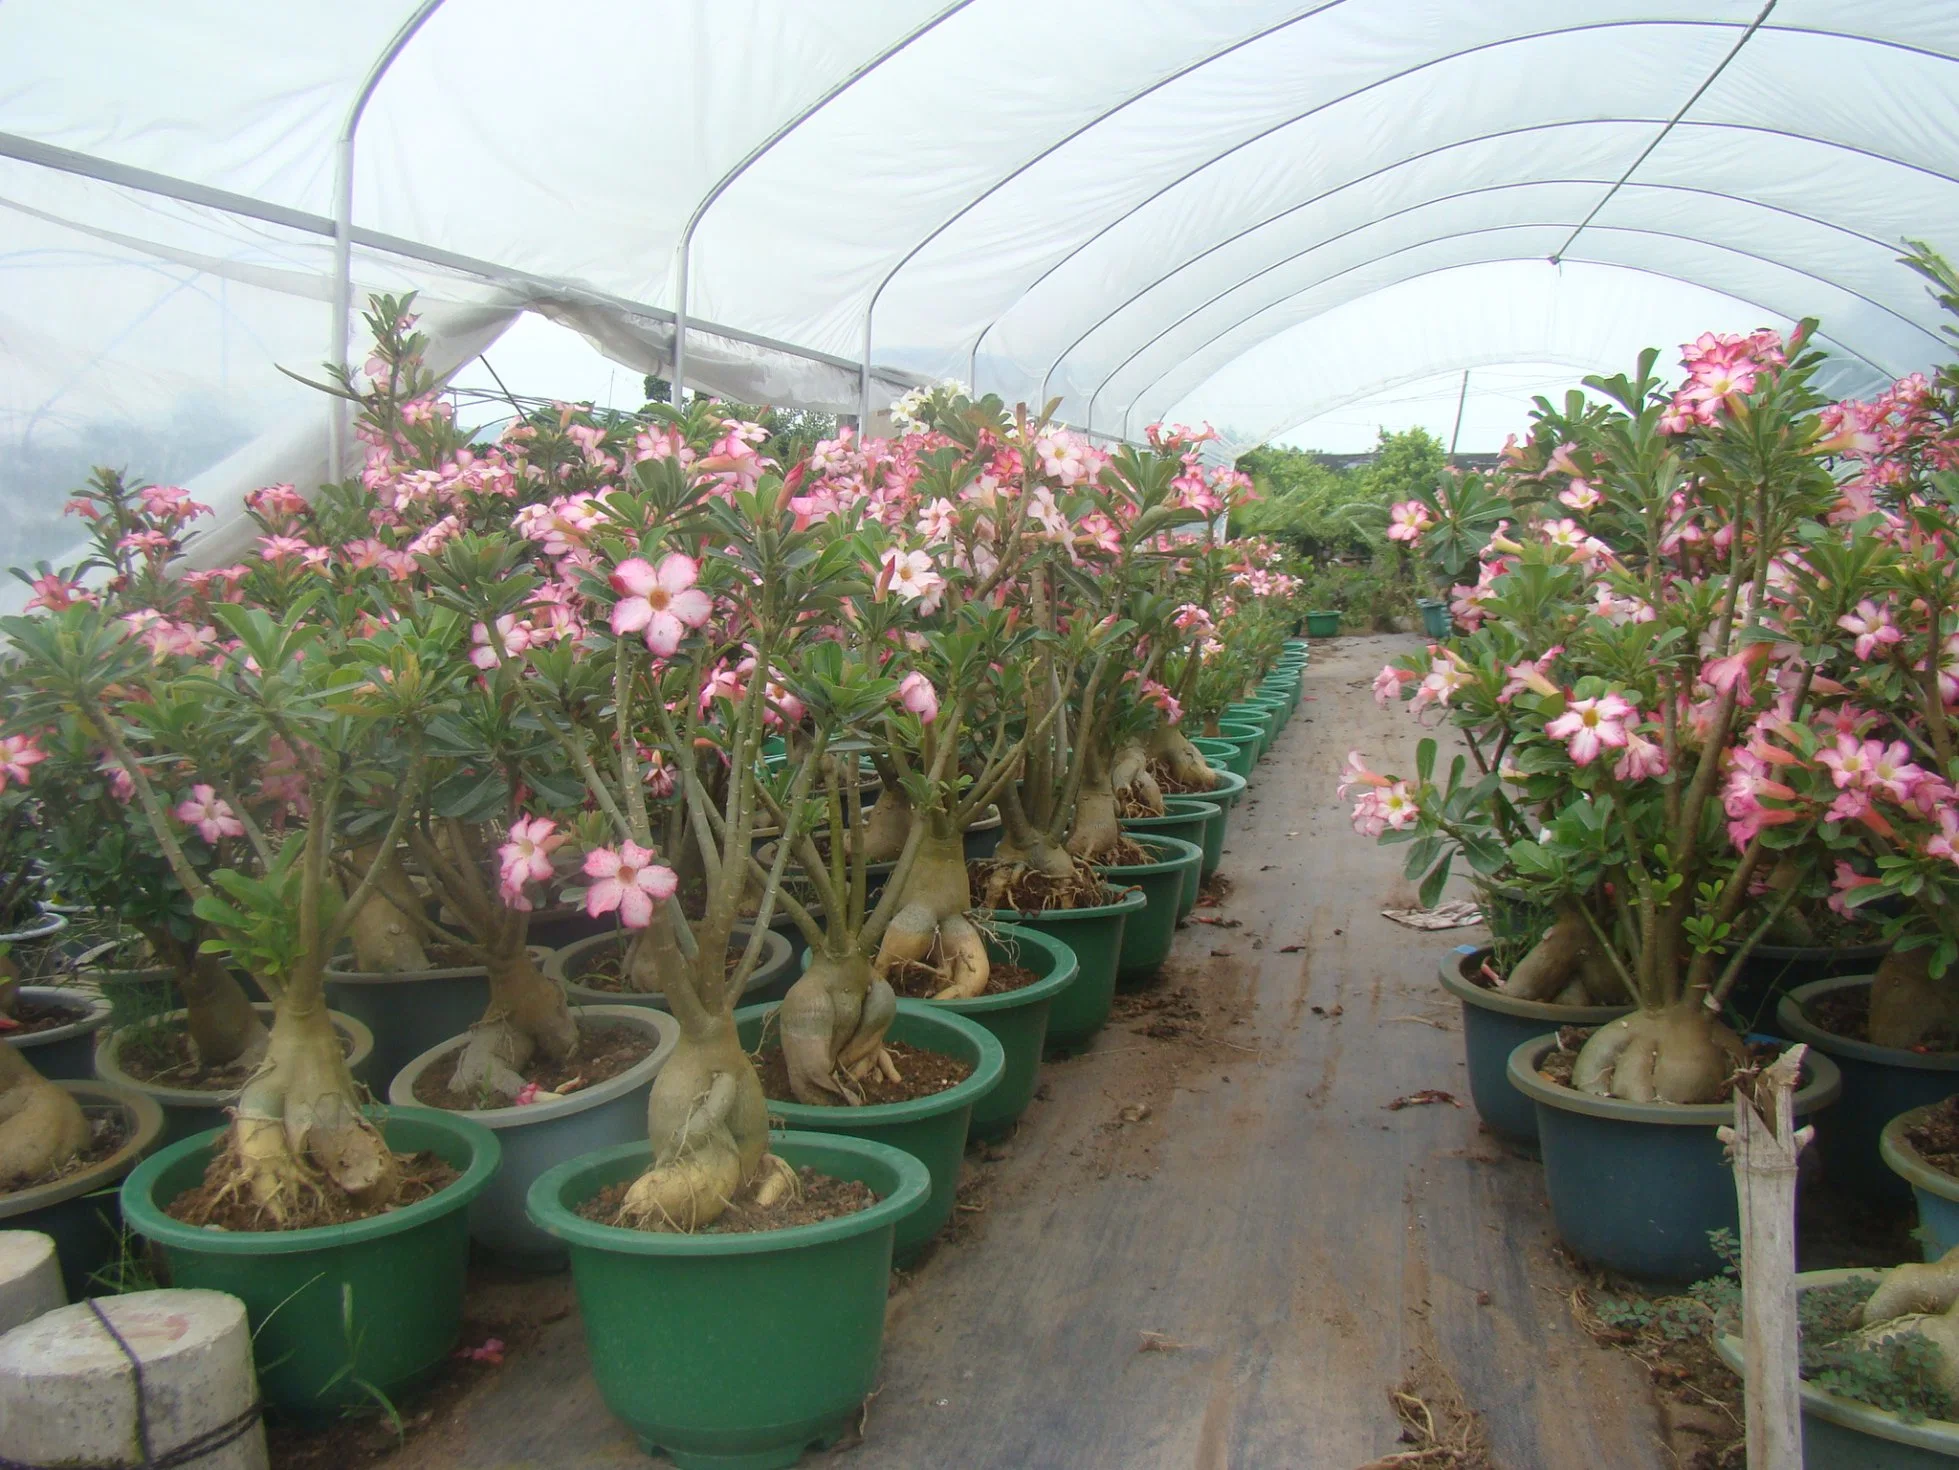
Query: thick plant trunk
x=1567 y=967
x=41 y=1126
x=1908 y=1007
x=298 y=1125
x=527 y=1015
x=1171 y=754
x=833 y=1024
x=1679 y=1055
x=385 y=941
x=1096 y=829
x=1134 y=783
x=653 y=961
x=886 y=826
x=932 y=926
x=223 y=1025
x=708 y=1122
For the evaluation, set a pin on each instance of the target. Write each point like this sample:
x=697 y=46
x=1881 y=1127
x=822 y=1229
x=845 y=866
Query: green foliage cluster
x=793 y=432
x=1899 y=1376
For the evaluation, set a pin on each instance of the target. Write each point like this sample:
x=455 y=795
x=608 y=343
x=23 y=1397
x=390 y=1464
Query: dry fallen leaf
x=1424 y=1098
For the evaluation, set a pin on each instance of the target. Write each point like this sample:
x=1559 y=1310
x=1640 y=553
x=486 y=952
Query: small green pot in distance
x=1224 y=796
x=1225 y=755
x=736 y=1352
x=1323 y=624
x=339 y=1310
x=1190 y=821
x=1095 y=936
x=1248 y=733
x=930 y=1129
x=1147 y=938
x=1018 y=1020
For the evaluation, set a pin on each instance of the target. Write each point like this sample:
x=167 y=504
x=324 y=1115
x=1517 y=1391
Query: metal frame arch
x=684 y=251
x=870 y=310
x=1837 y=342
x=1500 y=134
x=1378 y=82
x=343 y=215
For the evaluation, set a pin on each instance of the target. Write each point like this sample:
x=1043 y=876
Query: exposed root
x=1136 y=791
x=777 y=1181
x=1178 y=765
x=1441 y=1431
x=933 y=923
x=833 y=1024
x=527 y=1015
x=1679 y=1055
x=42 y=1128
x=1566 y=967
x=1032 y=887
x=709 y=1126
x=1910 y=1009
x=1932 y=1286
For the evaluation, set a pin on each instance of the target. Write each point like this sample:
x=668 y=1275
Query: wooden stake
x=1764 y=1150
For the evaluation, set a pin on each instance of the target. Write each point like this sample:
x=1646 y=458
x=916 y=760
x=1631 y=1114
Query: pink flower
x=1407 y=520
x=516 y=638
x=915 y=693
x=912 y=575
x=18 y=755
x=1642 y=758
x=212 y=817
x=1380 y=808
x=1946 y=844
x=1735 y=672
x=1445 y=676
x=120 y=784
x=1532 y=674
x=1589 y=725
x=630 y=880
x=1355 y=773
x=1580 y=496
x=1872 y=625
x=665 y=602
x=55 y=594
x=1387 y=684
x=526 y=857
x=1848 y=880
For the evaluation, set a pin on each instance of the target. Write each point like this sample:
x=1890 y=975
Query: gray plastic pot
x=62 y=1053
x=1843 y=1434
x=189 y=1110
x=46 y=926
x=1493 y=1026
x=542 y=1135
x=771 y=980
x=1936 y=1192
x=1636 y=1187
x=409 y=1013
x=1879 y=1082
x=80 y=1210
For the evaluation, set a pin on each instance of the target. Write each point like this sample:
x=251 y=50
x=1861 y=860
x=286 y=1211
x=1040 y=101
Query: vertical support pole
x=864 y=375
x=1461 y=399
x=1763 y=1150
x=343 y=291
x=680 y=318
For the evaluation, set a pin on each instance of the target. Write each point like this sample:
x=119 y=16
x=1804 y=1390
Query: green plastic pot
x=1256 y=712
x=1146 y=939
x=1018 y=1020
x=1662 y=1163
x=1225 y=755
x=1224 y=796
x=1188 y=821
x=1879 y=1082
x=1435 y=617
x=1844 y=1434
x=736 y=1352
x=1095 y=936
x=1280 y=711
x=334 y=1309
x=78 y=1211
x=930 y=1129
x=1322 y=625
x=770 y=981
x=1247 y=733
x=1936 y=1192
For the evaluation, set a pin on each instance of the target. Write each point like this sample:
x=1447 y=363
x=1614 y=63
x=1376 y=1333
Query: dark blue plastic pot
x=1771 y=971
x=1637 y=1187
x=1493 y=1026
x=1879 y=1082
x=1936 y=1191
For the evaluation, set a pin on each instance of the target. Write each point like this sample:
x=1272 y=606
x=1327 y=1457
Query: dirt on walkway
x=1227 y=1234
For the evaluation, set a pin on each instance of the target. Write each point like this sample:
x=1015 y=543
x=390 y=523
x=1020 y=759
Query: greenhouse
x=969 y=734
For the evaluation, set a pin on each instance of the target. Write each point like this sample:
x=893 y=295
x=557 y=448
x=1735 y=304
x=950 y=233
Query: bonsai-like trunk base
x=385 y=941
x=1173 y=756
x=1910 y=1009
x=931 y=927
x=41 y=1126
x=1679 y=1055
x=1567 y=967
x=833 y=1024
x=223 y=1024
x=527 y=1015
x=708 y=1123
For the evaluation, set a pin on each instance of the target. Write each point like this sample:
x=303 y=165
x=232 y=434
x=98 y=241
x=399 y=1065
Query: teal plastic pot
x=1435 y=617
x=1188 y=821
x=1843 y=1434
x=78 y=1211
x=771 y=980
x=736 y=1352
x=982 y=839
x=1636 y=1187
x=1095 y=936
x=1936 y=1192
x=1226 y=755
x=1279 y=711
x=378 y=1301
x=1771 y=971
x=1018 y=1020
x=930 y=1129
x=1255 y=712
x=1493 y=1026
x=1322 y=625
x=409 y=1013
x=1298 y=647
x=1879 y=1083
x=1224 y=796
x=535 y=1136
x=1147 y=937
x=62 y=1053
x=1246 y=733
x=189 y=1110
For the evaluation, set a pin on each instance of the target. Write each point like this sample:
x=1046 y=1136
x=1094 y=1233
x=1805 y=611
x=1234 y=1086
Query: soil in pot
x=1034 y=892
x=161 y=1055
x=817 y=1197
x=107 y=1133
x=1556 y=1068
x=1935 y=1135
x=608 y=972
x=211 y=1205
x=921 y=1074
x=33 y=1015
x=604 y=1050
x=1847 y=1013
x=921 y=981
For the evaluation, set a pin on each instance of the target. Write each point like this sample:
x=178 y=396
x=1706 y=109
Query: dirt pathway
x=1212 y=1243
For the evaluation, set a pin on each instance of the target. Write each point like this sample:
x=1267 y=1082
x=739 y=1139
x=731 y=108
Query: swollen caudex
x=931 y=928
x=1172 y=757
x=42 y=1128
x=708 y=1123
x=833 y=1022
x=1678 y=1055
x=527 y=1016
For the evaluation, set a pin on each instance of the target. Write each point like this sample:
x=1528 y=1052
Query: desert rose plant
x=1626 y=650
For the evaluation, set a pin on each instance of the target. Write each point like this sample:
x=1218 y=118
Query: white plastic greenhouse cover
x=1248 y=213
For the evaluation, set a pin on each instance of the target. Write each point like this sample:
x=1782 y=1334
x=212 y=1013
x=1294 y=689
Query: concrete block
x=30 y=1277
